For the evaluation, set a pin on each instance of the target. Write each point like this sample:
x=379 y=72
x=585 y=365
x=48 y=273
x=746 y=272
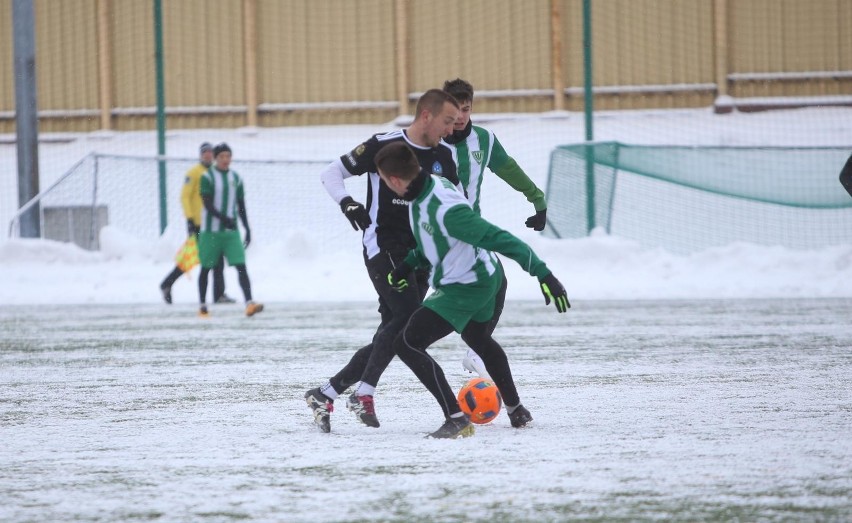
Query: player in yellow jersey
x=190 y=199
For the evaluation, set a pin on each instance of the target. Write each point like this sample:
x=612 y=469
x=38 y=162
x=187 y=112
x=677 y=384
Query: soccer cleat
x=322 y=406
x=364 y=409
x=473 y=363
x=167 y=294
x=226 y=299
x=202 y=312
x=454 y=428
x=519 y=417
x=253 y=308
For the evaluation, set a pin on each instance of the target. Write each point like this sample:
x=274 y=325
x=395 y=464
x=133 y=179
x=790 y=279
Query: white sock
x=512 y=409
x=365 y=389
x=329 y=391
x=457 y=415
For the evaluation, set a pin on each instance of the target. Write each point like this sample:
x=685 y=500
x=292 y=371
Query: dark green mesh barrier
x=685 y=199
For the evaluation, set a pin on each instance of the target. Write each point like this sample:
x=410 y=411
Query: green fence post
x=588 y=108
x=161 y=111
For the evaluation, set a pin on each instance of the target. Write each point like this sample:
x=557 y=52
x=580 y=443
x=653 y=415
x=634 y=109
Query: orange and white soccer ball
x=480 y=400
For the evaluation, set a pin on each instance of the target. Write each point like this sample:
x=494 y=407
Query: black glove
x=553 y=290
x=357 y=214
x=398 y=278
x=247 y=239
x=229 y=223
x=538 y=221
x=191 y=228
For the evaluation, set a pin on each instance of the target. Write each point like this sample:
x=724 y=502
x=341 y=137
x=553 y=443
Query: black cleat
x=519 y=417
x=322 y=406
x=454 y=428
x=225 y=299
x=167 y=294
x=364 y=409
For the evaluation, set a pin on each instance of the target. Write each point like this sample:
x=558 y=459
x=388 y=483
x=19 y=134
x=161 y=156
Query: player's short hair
x=221 y=148
x=433 y=101
x=397 y=159
x=460 y=89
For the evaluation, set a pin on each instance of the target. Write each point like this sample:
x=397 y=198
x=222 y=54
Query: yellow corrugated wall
x=337 y=61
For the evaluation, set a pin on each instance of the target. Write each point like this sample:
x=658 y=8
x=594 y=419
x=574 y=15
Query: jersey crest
x=477 y=155
x=426 y=227
x=352 y=156
x=437 y=169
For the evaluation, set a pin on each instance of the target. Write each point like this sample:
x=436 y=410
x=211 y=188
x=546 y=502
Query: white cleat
x=473 y=363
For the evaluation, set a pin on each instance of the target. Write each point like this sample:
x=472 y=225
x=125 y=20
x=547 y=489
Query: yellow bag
x=187 y=255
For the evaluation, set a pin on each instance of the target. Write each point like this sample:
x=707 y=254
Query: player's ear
x=400 y=184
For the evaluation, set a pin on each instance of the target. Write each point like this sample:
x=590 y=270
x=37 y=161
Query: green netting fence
x=689 y=198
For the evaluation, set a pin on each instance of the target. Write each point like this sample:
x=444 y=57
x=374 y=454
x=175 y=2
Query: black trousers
x=218 y=279
x=370 y=361
x=424 y=328
x=242 y=277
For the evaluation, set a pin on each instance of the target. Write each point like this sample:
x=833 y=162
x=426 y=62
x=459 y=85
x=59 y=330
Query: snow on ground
x=732 y=410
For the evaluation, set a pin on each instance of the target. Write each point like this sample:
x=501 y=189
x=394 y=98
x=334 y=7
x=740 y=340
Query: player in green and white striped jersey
x=223 y=199
x=476 y=149
x=457 y=243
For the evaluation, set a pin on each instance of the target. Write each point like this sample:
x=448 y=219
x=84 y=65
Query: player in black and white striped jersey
x=387 y=238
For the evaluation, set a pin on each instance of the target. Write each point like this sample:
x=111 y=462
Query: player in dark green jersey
x=458 y=245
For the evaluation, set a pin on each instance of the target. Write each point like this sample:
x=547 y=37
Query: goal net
x=688 y=198
x=284 y=199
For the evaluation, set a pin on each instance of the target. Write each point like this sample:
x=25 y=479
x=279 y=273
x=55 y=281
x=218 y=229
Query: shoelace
x=329 y=406
x=367 y=402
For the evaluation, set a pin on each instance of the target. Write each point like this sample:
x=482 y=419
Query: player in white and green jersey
x=475 y=150
x=190 y=199
x=457 y=243
x=223 y=199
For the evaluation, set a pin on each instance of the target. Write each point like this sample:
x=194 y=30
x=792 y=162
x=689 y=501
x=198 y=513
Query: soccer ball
x=480 y=400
